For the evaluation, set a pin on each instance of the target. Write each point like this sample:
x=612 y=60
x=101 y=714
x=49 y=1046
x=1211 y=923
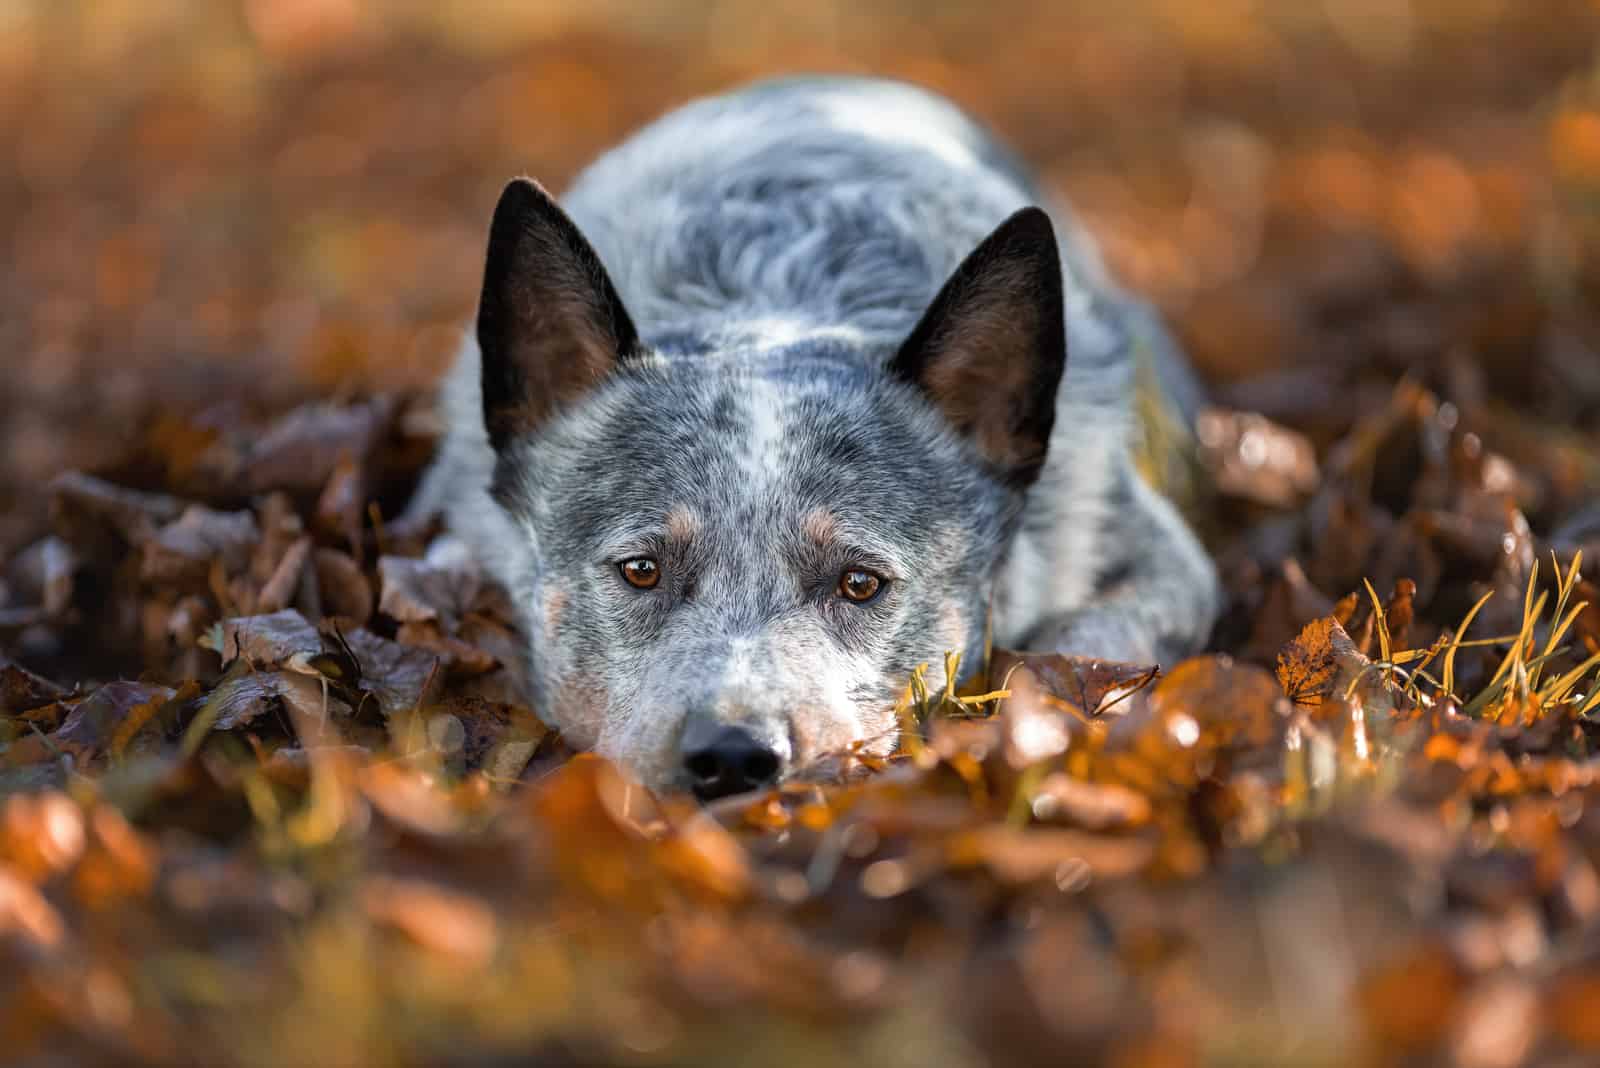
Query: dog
x=777 y=405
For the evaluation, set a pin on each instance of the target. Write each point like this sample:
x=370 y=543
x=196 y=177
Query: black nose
x=732 y=762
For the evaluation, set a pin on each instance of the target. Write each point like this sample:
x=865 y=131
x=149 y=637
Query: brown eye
x=641 y=572
x=859 y=586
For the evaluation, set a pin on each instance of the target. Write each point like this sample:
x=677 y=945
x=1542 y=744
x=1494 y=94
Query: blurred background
x=215 y=205
x=1374 y=223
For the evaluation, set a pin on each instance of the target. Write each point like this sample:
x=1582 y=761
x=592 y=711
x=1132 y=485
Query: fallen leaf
x=1098 y=807
x=1409 y=1005
x=40 y=836
x=284 y=583
x=182 y=552
x=1311 y=666
x=86 y=509
x=346 y=593
x=21 y=689
x=118 y=863
x=439 y=587
x=90 y=729
x=445 y=922
x=43 y=575
x=1089 y=685
x=301 y=450
x=1255 y=459
x=268 y=641
x=26 y=914
x=398 y=675
x=1029 y=856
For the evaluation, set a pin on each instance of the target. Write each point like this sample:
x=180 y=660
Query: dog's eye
x=641 y=572
x=859 y=586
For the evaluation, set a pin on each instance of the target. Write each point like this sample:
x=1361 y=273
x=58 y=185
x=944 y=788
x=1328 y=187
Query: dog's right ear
x=550 y=323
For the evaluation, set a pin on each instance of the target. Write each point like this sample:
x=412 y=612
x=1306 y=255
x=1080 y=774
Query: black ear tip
x=521 y=198
x=518 y=191
x=523 y=186
x=1030 y=226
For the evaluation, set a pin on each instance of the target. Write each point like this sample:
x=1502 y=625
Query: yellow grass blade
x=1558 y=689
x=1456 y=645
x=1383 y=624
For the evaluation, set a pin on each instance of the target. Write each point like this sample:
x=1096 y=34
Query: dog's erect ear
x=990 y=351
x=550 y=323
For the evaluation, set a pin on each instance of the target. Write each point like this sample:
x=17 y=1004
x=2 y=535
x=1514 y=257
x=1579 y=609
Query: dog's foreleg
x=1157 y=596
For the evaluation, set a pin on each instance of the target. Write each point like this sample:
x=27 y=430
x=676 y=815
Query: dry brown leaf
x=1311 y=666
x=25 y=914
x=40 y=836
x=268 y=641
x=1408 y=1005
x=301 y=451
x=1028 y=856
x=443 y=921
x=1098 y=807
x=1089 y=685
x=440 y=587
x=43 y=575
x=284 y=583
x=85 y=509
x=22 y=690
x=183 y=552
x=346 y=592
x=90 y=729
x=244 y=698
x=118 y=863
x=401 y=677
x=1218 y=693
x=1255 y=459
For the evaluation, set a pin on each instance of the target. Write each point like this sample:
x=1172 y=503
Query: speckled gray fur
x=774 y=247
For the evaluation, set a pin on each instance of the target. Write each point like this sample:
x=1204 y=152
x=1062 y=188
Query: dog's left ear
x=990 y=350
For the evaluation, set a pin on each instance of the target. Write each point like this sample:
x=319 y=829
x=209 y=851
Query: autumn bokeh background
x=268 y=795
x=210 y=205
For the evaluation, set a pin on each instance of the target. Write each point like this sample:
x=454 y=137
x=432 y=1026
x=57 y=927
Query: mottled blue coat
x=732 y=397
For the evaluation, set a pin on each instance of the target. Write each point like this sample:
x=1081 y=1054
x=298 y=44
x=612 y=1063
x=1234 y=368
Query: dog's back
x=800 y=204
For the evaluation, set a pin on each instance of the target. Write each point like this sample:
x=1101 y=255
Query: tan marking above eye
x=859 y=585
x=641 y=572
x=681 y=523
x=820 y=526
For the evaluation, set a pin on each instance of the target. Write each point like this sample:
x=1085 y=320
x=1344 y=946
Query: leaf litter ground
x=270 y=794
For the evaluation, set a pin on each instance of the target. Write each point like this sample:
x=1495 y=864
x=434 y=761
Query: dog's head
x=736 y=562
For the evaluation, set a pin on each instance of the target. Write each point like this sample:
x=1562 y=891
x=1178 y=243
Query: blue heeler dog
x=777 y=406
